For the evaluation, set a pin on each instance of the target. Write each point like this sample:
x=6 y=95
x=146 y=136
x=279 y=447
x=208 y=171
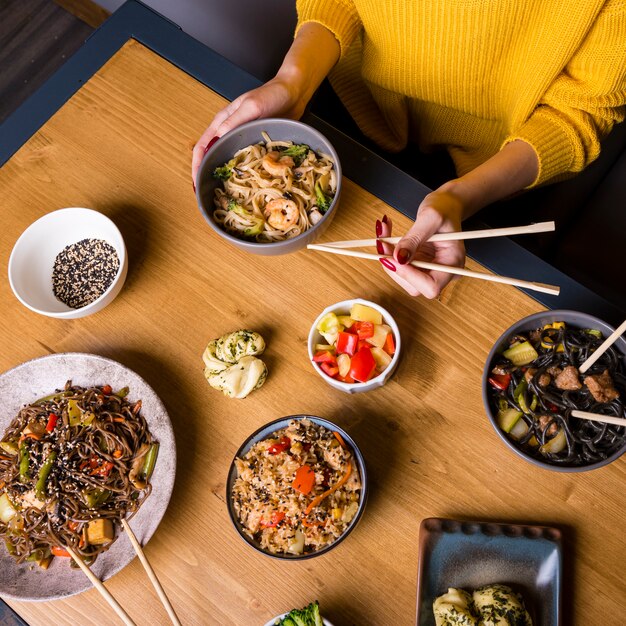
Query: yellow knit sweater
x=473 y=75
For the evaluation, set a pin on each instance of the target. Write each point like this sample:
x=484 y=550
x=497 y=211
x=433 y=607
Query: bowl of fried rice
x=296 y=487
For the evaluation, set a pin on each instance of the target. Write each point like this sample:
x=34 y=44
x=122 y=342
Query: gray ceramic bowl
x=224 y=149
x=537 y=320
x=264 y=433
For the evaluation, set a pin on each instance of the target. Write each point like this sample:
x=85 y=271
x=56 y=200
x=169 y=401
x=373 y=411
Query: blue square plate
x=472 y=554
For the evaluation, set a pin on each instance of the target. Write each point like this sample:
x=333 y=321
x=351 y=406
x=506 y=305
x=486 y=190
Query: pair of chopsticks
x=149 y=571
x=606 y=344
x=342 y=247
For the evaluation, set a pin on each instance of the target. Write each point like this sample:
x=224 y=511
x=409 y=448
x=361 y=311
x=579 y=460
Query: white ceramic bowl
x=32 y=259
x=343 y=308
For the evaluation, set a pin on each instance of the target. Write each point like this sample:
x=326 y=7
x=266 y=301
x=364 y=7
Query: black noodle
x=91 y=477
x=587 y=442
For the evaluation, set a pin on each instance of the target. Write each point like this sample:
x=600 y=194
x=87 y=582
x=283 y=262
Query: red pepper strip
x=102 y=470
x=347 y=343
x=73 y=526
x=107 y=390
x=324 y=356
x=52 y=422
x=330 y=370
x=500 y=381
x=339 y=439
x=334 y=488
x=277 y=518
x=284 y=443
x=304 y=480
x=56 y=551
x=390 y=345
x=365 y=330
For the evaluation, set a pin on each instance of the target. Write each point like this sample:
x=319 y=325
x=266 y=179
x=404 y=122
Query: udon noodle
x=71 y=466
x=274 y=190
x=536 y=383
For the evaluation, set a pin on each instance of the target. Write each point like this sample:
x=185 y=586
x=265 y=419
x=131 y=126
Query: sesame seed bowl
x=68 y=264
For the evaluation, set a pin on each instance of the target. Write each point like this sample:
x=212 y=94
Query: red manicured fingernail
x=385 y=219
x=388 y=264
x=379 y=247
x=403 y=256
x=379 y=228
x=208 y=147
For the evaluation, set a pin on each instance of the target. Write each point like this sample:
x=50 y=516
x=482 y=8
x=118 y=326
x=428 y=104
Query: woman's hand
x=277 y=98
x=440 y=212
x=312 y=55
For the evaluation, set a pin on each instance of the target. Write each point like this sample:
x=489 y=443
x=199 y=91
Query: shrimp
x=277 y=165
x=281 y=213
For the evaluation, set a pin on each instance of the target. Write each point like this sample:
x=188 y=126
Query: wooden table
x=122 y=145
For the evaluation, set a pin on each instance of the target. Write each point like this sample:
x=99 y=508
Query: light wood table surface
x=122 y=145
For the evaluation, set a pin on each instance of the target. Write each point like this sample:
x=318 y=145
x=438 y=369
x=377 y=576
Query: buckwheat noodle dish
x=273 y=190
x=297 y=491
x=535 y=384
x=72 y=465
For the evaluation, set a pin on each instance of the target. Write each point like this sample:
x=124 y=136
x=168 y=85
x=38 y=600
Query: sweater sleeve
x=340 y=17
x=583 y=103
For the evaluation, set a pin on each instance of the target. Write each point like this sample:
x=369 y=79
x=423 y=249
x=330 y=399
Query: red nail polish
x=403 y=256
x=385 y=219
x=388 y=264
x=208 y=147
x=379 y=247
x=379 y=228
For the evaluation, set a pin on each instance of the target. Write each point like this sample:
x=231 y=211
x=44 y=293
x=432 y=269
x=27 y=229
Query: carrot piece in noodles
x=342 y=481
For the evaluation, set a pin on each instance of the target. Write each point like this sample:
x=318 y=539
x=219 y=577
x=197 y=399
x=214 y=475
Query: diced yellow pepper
x=364 y=313
x=345 y=320
x=380 y=335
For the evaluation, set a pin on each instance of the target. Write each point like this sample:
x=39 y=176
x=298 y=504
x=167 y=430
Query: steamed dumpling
x=499 y=605
x=454 y=608
x=238 y=380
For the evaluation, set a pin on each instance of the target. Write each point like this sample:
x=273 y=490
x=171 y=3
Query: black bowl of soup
x=531 y=384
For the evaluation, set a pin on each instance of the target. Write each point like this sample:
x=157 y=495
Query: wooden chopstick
x=151 y=575
x=597 y=417
x=101 y=588
x=541 y=227
x=460 y=271
x=608 y=342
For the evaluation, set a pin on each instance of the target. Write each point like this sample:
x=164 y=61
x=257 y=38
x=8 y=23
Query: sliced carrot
x=313 y=524
x=339 y=439
x=121 y=420
x=318 y=499
x=56 y=551
x=304 y=480
x=30 y=436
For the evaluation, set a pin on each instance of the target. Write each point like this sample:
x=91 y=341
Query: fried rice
x=284 y=513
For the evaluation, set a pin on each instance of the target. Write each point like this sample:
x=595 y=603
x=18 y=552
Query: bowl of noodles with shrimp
x=270 y=186
x=538 y=396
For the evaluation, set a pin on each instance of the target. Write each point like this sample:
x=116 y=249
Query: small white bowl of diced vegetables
x=354 y=345
x=308 y=616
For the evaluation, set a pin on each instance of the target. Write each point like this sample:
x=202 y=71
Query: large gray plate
x=31 y=380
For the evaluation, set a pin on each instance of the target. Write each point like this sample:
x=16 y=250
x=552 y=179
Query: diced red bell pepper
x=500 y=381
x=347 y=343
x=362 y=365
x=277 y=518
x=284 y=443
x=325 y=356
x=304 y=479
x=52 y=422
x=330 y=370
x=107 y=390
x=390 y=345
x=346 y=379
x=365 y=330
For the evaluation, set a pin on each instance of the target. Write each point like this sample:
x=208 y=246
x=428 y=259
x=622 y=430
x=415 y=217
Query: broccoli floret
x=323 y=201
x=297 y=152
x=225 y=171
x=308 y=616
